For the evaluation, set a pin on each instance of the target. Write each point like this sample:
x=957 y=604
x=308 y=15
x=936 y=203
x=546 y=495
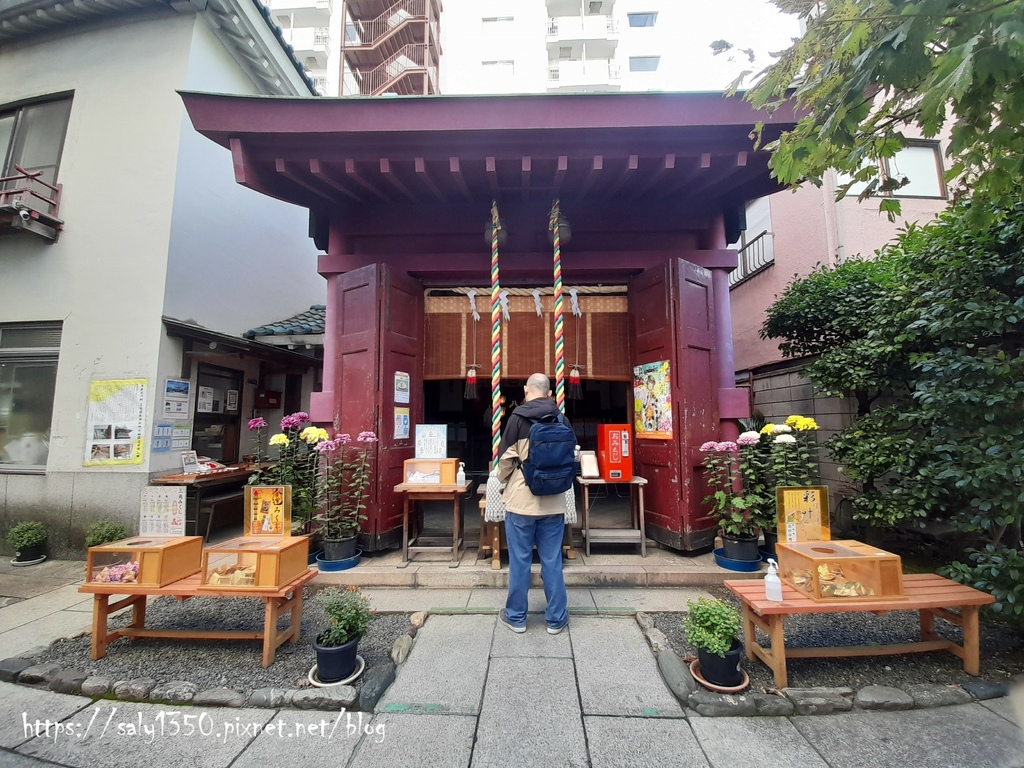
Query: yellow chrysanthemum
x=280 y=439
x=313 y=435
x=767 y=429
x=805 y=424
x=793 y=420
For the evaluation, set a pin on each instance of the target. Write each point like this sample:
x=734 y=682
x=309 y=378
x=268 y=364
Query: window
x=594 y=7
x=642 y=19
x=565 y=51
x=643 y=63
x=499 y=69
x=217 y=424
x=32 y=136
x=918 y=162
x=756 y=245
x=490 y=20
x=28 y=376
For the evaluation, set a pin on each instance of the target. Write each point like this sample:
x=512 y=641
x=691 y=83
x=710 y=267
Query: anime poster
x=652 y=401
x=268 y=510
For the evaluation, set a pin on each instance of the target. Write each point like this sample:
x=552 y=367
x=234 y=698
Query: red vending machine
x=615 y=452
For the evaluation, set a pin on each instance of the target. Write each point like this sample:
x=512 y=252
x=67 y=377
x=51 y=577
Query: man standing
x=530 y=519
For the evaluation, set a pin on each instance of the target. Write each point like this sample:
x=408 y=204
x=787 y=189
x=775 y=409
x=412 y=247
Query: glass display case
x=148 y=561
x=430 y=471
x=829 y=570
x=251 y=563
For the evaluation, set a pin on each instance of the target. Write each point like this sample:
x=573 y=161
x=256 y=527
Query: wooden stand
x=287 y=599
x=636 y=534
x=928 y=594
x=413 y=492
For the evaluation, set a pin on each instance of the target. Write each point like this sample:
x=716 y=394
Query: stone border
x=804 y=701
x=25 y=670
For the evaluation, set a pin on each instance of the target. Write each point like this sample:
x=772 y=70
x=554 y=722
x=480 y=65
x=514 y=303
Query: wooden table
x=930 y=595
x=636 y=534
x=288 y=598
x=198 y=484
x=413 y=492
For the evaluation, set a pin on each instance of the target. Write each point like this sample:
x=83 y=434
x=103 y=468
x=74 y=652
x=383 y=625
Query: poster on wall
x=231 y=401
x=206 y=402
x=115 y=422
x=401 y=423
x=652 y=401
x=175 y=399
x=163 y=511
x=268 y=510
x=402 y=386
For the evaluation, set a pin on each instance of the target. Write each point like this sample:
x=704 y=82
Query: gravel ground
x=1002 y=649
x=215 y=663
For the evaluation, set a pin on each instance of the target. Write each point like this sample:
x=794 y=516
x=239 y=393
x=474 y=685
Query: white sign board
x=163 y=511
x=431 y=441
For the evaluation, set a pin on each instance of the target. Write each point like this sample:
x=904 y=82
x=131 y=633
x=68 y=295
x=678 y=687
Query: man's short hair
x=539 y=383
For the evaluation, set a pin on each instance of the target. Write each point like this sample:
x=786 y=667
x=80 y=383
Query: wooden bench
x=930 y=595
x=286 y=599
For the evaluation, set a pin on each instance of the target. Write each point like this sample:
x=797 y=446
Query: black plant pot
x=30 y=554
x=720 y=671
x=339 y=549
x=740 y=547
x=771 y=538
x=336 y=662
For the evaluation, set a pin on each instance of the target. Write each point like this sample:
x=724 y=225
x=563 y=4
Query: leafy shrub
x=26 y=534
x=348 y=615
x=104 y=532
x=711 y=624
x=998 y=571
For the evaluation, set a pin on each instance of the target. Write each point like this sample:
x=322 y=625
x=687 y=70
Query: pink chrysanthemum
x=343 y=438
x=258 y=423
x=708 y=446
x=291 y=421
x=728 y=445
x=367 y=437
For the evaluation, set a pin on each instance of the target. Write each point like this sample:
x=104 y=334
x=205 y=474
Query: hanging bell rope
x=494 y=509
x=553 y=226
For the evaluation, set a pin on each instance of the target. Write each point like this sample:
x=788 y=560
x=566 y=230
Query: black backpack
x=551 y=466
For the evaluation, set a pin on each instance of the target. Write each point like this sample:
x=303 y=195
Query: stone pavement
x=474 y=694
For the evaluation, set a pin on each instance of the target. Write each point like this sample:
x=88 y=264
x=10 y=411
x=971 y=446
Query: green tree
x=866 y=70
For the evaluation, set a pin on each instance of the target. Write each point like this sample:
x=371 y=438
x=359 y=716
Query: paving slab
x=414 y=741
x=943 y=737
x=23 y=706
x=650 y=600
x=1004 y=708
x=446 y=670
x=494 y=599
x=617 y=672
x=755 y=742
x=631 y=742
x=122 y=731
x=530 y=716
x=387 y=600
x=534 y=643
x=43 y=631
x=38 y=579
x=323 y=739
x=22 y=613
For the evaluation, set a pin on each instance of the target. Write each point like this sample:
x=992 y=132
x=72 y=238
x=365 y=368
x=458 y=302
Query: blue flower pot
x=328 y=566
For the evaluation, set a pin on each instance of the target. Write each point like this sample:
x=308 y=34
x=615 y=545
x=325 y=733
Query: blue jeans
x=522 y=532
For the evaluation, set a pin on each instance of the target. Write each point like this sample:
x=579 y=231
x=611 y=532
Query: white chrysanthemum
x=785 y=439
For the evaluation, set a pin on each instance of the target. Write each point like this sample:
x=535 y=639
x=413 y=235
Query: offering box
x=250 y=563
x=431 y=471
x=840 y=570
x=147 y=561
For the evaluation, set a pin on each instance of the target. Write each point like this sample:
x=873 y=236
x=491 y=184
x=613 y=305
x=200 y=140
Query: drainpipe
x=733 y=403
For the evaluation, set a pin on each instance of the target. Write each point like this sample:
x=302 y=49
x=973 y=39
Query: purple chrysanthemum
x=343 y=438
x=367 y=437
x=727 y=445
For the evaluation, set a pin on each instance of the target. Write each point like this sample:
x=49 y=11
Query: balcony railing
x=757 y=255
x=593 y=72
x=588 y=27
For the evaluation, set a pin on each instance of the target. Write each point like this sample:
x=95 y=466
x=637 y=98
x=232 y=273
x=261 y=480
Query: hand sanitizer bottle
x=460 y=477
x=772 y=583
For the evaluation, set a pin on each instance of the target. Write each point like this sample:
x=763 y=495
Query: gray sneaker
x=517 y=628
x=557 y=630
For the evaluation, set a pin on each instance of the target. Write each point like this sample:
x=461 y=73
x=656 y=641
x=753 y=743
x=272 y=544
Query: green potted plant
x=104 y=532
x=345 y=481
x=732 y=503
x=713 y=626
x=28 y=538
x=348 y=616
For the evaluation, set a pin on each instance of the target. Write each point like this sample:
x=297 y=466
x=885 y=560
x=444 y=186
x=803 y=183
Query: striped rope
x=495 y=339
x=559 y=343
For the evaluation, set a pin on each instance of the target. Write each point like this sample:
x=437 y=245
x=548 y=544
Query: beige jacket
x=515 y=448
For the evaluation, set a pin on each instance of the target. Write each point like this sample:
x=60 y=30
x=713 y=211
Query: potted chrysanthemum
x=345 y=481
x=732 y=503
